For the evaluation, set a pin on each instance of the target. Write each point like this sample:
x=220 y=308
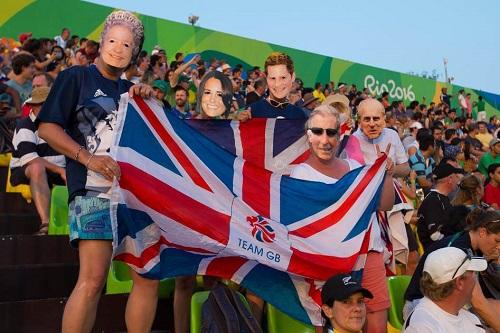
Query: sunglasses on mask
x=279 y=105
x=330 y=132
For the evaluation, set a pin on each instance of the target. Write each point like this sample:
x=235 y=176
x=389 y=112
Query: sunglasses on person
x=279 y=105
x=468 y=257
x=330 y=132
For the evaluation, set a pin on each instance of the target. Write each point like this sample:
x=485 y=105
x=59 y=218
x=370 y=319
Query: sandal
x=43 y=230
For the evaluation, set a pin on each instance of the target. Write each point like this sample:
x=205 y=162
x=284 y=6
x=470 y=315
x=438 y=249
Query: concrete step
x=28 y=249
x=24 y=282
x=46 y=315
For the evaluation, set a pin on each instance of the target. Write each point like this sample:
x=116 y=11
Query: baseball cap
x=416 y=125
x=445 y=169
x=494 y=141
x=160 y=84
x=340 y=287
x=444 y=265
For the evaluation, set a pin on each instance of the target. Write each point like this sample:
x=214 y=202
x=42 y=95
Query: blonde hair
x=279 y=58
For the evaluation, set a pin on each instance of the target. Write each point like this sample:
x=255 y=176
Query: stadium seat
x=392 y=329
x=197 y=301
x=278 y=322
x=397 y=286
x=58 y=222
x=5 y=159
x=119 y=281
x=23 y=189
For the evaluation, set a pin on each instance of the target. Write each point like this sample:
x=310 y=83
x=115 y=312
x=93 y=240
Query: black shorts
x=412 y=240
x=18 y=177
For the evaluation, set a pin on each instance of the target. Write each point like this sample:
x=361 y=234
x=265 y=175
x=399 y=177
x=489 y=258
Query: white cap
x=416 y=125
x=445 y=264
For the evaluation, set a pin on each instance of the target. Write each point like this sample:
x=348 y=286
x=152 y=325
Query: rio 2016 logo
x=394 y=91
x=261 y=230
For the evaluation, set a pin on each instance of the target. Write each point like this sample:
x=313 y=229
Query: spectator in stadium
x=255 y=92
x=435 y=208
x=309 y=103
x=78 y=119
x=39 y=51
x=280 y=74
x=467 y=198
x=13 y=109
x=423 y=163
x=462 y=103
x=318 y=92
x=492 y=188
x=482 y=236
x=181 y=108
x=39 y=80
x=447 y=283
x=493 y=156
x=344 y=308
x=86 y=55
x=23 y=68
x=63 y=38
x=477 y=148
x=483 y=135
x=322 y=130
x=444 y=97
x=34 y=162
x=160 y=88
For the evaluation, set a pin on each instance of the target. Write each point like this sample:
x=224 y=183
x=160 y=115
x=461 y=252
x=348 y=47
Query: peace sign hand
x=390 y=164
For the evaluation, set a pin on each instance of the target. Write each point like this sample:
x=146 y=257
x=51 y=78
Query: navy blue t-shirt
x=85 y=104
x=262 y=109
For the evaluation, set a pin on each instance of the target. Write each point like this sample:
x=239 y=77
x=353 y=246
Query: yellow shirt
x=319 y=95
x=484 y=138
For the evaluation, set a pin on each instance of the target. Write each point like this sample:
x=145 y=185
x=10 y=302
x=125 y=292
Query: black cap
x=445 y=169
x=340 y=287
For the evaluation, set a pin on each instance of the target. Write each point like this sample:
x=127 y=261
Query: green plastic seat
x=397 y=286
x=119 y=281
x=58 y=222
x=197 y=301
x=278 y=322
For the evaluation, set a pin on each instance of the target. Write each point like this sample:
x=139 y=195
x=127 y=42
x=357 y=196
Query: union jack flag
x=186 y=205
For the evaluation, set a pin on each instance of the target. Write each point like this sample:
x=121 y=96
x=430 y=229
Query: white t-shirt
x=306 y=172
x=430 y=318
x=368 y=146
x=398 y=155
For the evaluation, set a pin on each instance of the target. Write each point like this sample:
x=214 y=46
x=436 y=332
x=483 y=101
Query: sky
x=405 y=36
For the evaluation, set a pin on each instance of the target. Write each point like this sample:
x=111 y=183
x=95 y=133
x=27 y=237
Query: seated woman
x=469 y=194
x=343 y=308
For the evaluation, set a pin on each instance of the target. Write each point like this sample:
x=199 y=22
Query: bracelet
x=78 y=153
x=88 y=161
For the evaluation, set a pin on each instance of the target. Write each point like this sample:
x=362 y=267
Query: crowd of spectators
x=453 y=153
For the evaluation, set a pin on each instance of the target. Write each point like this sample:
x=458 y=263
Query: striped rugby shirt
x=28 y=146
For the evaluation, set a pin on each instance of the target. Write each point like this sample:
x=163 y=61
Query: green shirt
x=480 y=106
x=486 y=161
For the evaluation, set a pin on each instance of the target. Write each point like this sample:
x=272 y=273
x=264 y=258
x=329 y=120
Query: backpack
x=225 y=312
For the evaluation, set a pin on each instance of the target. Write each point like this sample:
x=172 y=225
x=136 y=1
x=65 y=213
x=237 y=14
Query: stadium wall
x=46 y=18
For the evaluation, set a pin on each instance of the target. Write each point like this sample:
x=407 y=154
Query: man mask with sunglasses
x=447 y=284
x=323 y=166
x=280 y=75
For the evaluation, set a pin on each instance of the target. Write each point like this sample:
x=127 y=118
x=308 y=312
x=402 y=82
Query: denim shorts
x=89 y=218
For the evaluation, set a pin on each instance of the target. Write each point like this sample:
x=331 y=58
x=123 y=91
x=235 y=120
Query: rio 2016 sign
x=400 y=93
